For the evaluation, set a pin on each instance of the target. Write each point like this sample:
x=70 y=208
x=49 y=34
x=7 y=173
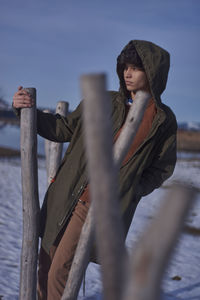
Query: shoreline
x=187 y=140
x=6 y=152
x=9 y=152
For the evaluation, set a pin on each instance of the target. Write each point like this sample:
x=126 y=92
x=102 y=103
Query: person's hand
x=22 y=99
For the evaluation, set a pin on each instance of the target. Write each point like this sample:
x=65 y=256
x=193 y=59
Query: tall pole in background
x=47 y=144
x=55 y=149
x=30 y=200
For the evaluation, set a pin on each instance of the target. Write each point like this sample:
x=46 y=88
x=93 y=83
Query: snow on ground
x=184 y=263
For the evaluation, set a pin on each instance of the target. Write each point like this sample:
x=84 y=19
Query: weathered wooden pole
x=103 y=183
x=47 y=152
x=30 y=200
x=151 y=255
x=133 y=119
x=131 y=126
x=55 y=153
x=81 y=258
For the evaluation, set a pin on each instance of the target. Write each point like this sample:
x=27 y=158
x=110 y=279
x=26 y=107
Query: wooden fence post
x=103 y=183
x=133 y=120
x=152 y=252
x=81 y=258
x=30 y=200
x=47 y=151
x=55 y=152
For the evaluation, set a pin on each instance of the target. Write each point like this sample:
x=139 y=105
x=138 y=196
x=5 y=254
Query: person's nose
x=128 y=73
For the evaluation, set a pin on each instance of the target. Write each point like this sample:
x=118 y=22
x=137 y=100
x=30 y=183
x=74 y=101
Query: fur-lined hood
x=156 y=63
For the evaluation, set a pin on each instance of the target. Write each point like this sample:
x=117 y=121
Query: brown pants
x=54 y=268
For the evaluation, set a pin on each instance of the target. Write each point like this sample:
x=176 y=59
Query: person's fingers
x=22 y=100
x=22 y=92
x=22 y=104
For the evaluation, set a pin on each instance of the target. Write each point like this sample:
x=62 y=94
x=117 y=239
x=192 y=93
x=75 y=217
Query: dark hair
x=128 y=56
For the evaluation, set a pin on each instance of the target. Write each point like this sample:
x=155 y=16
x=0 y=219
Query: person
x=142 y=65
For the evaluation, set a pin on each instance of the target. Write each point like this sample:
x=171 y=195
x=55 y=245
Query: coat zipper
x=64 y=219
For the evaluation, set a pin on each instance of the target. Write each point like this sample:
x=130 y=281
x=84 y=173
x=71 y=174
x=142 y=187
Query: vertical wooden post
x=152 y=252
x=47 y=152
x=55 y=155
x=81 y=258
x=30 y=200
x=133 y=121
x=103 y=183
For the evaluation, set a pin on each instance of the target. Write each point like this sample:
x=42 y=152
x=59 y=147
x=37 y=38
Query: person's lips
x=129 y=83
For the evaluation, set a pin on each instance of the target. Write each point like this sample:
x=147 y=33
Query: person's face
x=135 y=79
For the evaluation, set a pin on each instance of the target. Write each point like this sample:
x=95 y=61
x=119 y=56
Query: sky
x=49 y=44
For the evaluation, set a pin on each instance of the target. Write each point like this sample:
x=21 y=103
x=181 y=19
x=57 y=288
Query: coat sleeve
x=163 y=164
x=56 y=128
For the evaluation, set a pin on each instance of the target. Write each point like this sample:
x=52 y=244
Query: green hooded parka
x=146 y=170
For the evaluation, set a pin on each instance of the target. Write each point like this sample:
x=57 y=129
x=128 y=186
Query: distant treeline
x=8 y=114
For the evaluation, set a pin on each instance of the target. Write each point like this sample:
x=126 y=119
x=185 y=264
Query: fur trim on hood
x=156 y=63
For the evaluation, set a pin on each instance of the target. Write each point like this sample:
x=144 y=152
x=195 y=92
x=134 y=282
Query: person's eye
x=134 y=68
